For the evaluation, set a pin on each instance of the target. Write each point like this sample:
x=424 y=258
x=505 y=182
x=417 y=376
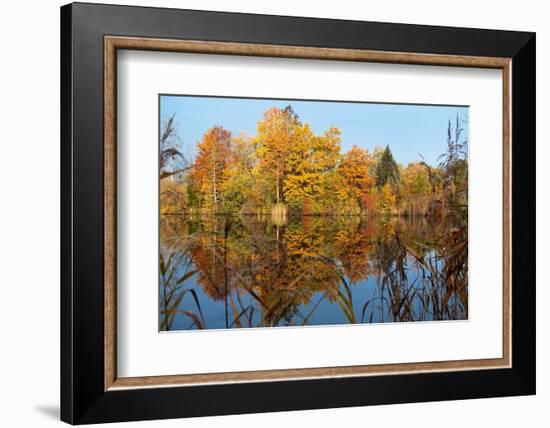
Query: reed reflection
x=223 y=271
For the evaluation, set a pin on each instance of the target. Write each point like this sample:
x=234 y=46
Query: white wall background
x=29 y=214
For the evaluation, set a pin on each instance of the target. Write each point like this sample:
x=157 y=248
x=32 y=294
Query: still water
x=219 y=272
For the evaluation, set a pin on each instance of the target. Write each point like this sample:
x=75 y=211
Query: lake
x=228 y=271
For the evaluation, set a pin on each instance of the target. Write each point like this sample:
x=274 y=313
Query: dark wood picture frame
x=90 y=37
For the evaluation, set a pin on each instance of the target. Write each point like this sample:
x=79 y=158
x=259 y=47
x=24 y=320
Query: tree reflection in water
x=249 y=271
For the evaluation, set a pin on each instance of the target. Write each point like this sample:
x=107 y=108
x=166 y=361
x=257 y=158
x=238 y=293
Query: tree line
x=288 y=169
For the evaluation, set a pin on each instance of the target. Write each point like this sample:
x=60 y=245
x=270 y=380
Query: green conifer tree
x=387 y=170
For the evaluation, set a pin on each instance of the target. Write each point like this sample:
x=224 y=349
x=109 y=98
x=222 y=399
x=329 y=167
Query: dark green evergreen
x=387 y=170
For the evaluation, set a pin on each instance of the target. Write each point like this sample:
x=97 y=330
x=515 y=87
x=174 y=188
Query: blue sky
x=410 y=130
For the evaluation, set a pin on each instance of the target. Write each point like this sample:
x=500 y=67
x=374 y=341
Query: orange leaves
x=214 y=153
x=354 y=168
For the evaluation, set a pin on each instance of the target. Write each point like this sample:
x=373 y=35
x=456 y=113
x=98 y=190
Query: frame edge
x=113 y=43
x=524 y=215
x=123 y=406
x=66 y=316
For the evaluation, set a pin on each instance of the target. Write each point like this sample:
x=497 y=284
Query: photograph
x=292 y=213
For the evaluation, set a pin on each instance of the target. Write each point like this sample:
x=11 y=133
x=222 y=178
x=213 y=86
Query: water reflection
x=249 y=271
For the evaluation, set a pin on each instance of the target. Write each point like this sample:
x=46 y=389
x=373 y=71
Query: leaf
x=185 y=276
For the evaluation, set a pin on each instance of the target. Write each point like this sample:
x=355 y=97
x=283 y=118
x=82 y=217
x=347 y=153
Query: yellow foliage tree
x=173 y=197
x=415 y=189
x=415 y=180
x=274 y=136
x=310 y=160
x=239 y=175
x=386 y=198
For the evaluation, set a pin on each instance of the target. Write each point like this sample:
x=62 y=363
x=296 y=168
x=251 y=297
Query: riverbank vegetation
x=287 y=169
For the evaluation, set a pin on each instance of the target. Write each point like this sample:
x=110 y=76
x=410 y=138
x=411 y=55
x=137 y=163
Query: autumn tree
x=310 y=160
x=415 y=189
x=415 y=179
x=274 y=135
x=354 y=168
x=386 y=198
x=239 y=180
x=214 y=154
x=387 y=171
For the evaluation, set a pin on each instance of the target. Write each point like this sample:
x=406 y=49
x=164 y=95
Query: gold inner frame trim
x=113 y=43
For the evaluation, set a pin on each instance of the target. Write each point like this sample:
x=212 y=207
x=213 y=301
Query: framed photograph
x=266 y=213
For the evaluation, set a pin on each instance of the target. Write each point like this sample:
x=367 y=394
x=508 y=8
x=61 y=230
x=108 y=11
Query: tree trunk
x=214 y=181
x=278 y=178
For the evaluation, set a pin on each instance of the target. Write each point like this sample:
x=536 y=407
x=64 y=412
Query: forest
x=286 y=169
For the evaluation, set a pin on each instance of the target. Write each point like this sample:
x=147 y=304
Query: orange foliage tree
x=275 y=133
x=354 y=169
x=214 y=154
